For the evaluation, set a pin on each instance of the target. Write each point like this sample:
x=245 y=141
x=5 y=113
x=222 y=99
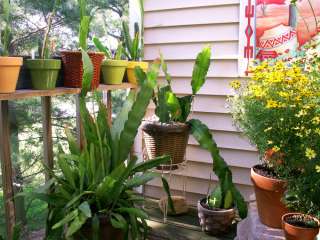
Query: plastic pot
x=215 y=222
x=44 y=73
x=130 y=70
x=113 y=71
x=269 y=193
x=293 y=232
x=9 y=73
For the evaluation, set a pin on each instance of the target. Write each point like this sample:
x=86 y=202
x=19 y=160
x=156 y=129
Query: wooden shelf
x=28 y=93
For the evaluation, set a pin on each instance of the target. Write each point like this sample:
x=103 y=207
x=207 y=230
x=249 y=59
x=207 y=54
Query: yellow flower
x=276 y=149
x=268 y=129
x=272 y=104
x=270 y=142
x=318 y=168
x=317 y=131
x=235 y=84
x=310 y=153
x=316 y=120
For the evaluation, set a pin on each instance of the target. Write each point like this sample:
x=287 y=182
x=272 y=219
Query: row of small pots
x=44 y=72
x=273 y=212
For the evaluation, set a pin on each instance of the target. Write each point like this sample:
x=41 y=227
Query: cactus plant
x=132 y=45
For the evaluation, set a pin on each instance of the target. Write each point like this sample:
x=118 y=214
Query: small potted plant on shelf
x=133 y=51
x=93 y=196
x=168 y=132
x=9 y=66
x=218 y=210
x=113 y=68
x=72 y=64
x=44 y=71
x=277 y=109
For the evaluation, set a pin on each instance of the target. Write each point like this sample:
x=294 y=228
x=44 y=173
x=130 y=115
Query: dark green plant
x=132 y=46
x=100 y=179
x=84 y=27
x=6 y=32
x=170 y=107
x=226 y=195
x=116 y=56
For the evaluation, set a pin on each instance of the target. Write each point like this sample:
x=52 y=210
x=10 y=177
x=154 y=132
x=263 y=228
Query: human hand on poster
x=272 y=13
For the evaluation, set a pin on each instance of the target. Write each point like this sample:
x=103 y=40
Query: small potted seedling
x=44 y=71
x=72 y=60
x=133 y=51
x=113 y=68
x=9 y=66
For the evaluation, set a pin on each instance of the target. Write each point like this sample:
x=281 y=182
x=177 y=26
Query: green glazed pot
x=113 y=71
x=44 y=73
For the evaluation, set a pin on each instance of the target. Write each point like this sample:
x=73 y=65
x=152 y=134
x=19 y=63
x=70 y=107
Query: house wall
x=179 y=29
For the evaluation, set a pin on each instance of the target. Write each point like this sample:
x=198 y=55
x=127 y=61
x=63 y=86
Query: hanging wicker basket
x=72 y=67
x=166 y=139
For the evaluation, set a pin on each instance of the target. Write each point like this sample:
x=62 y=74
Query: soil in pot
x=44 y=73
x=166 y=139
x=9 y=73
x=113 y=71
x=269 y=193
x=214 y=221
x=299 y=226
x=107 y=231
x=130 y=70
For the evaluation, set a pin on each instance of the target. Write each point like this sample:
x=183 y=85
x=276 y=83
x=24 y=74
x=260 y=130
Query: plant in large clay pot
x=168 y=132
x=113 y=68
x=218 y=210
x=44 y=71
x=9 y=66
x=92 y=195
x=72 y=64
x=277 y=109
x=133 y=51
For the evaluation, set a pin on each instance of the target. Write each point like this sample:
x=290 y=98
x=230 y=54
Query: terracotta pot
x=130 y=70
x=215 y=222
x=107 y=231
x=166 y=139
x=292 y=232
x=9 y=73
x=269 y=193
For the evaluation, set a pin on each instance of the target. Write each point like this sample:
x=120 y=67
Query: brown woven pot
x=269 y=193
x=166 y=139
x=72 y=61
x=215 y=222
x=107 y=231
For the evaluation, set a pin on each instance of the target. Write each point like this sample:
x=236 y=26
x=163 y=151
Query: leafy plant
x=116 y=56
x=85 y=20
x=170 y=107
x=132 y=46
x=5 y=34
x=99 y=180
x=226 y=195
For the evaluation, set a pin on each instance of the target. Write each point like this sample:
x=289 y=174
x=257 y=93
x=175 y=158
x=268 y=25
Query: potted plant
x=133 y=51
x=72 y=64
x=93 y=197
x=44 y=71
x=277 y=109
x=9 y=66
x=217 y=211
x=113 y=68
x=168 y=133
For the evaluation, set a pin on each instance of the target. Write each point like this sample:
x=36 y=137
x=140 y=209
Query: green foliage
x=84 y=25
x=170 y=107
x=132 y=46
x=6 y=32
x=118 y=53
x=100 y=178
x=229 y=193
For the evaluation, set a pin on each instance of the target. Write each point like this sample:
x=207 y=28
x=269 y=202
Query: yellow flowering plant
x=277 y=108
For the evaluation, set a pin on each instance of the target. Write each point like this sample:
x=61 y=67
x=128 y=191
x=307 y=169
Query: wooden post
x=79 y=122
x=47 y=134
x=6 y=167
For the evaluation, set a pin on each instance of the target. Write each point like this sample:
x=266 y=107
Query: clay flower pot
x=294 y=231
x=9 y=73
x=113 y=71
x=215 y=222
x=130 y=70
x=269 y=193
x=44 y=73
